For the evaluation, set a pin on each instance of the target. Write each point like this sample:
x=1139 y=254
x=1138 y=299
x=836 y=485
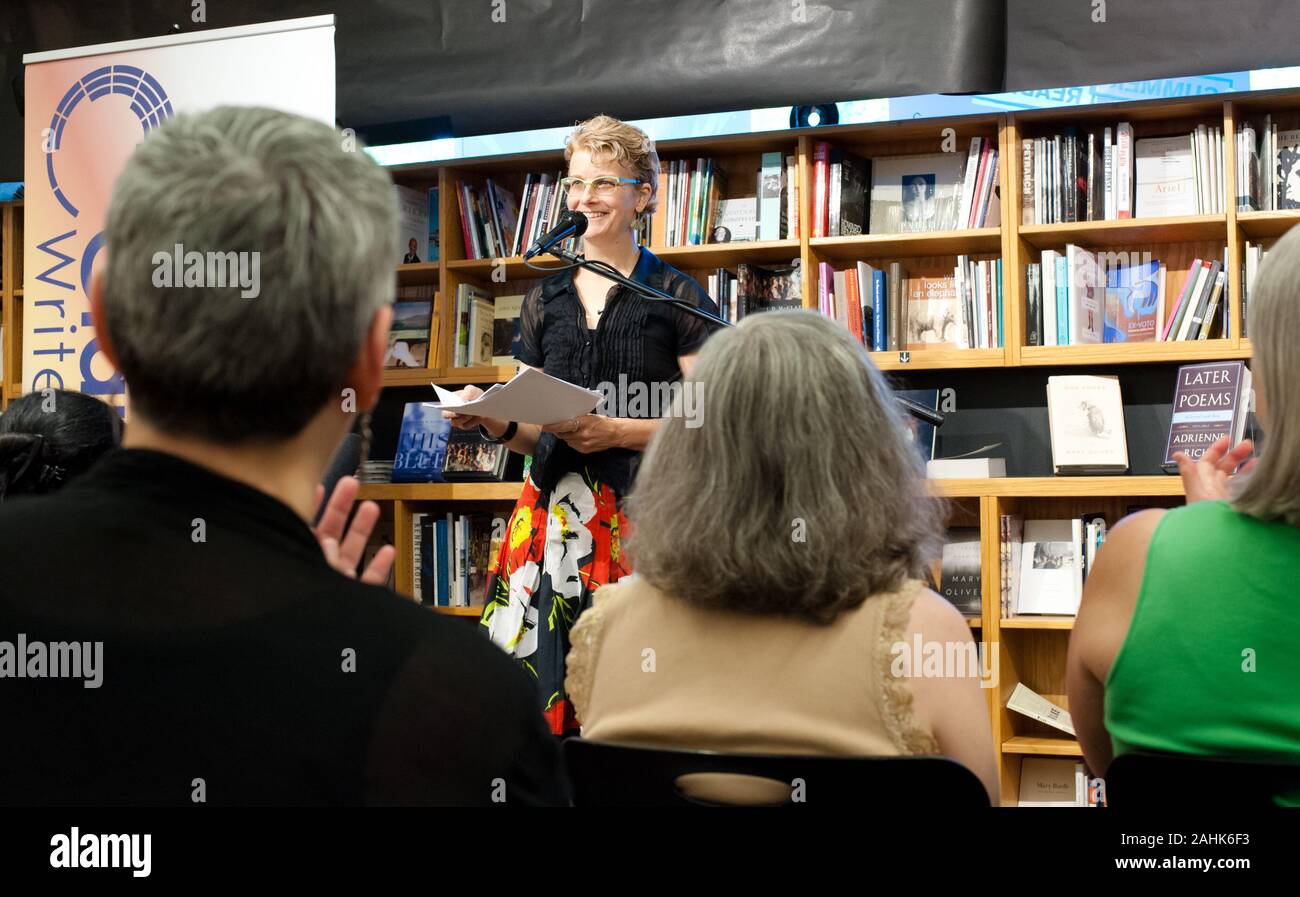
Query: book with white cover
x=1085 y=416
x=1086 y=292
x=915 y=194
x=1035 y=706
x=1049 y=571
x=1166 y=177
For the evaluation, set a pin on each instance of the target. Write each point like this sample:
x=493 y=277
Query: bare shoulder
x=935 y=617
x=1116 y=574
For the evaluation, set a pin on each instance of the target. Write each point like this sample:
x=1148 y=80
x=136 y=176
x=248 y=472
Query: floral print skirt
x=559 y=548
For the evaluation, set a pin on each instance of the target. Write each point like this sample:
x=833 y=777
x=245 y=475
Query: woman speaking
x=564 y=536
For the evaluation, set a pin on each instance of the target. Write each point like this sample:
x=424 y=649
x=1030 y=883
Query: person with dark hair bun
x=49 y=437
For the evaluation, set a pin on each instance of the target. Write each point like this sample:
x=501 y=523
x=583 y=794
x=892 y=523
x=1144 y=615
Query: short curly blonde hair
x=611 y=140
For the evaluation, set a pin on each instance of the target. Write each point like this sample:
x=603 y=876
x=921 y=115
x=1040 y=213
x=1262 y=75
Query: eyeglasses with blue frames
x=601 y=186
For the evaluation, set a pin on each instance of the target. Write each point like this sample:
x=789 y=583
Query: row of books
x=1255 y=254
x=417 y=225
x=414 y=327
x=1085 y=414
x=907 y=194
x=1267 y=163
x=887 y=310
x=451 y=555
x=1108 y=175
x=495 y=223
x=693 y=209
x=1083 y=296
x=1044 y=563
x=430 y=450
x=756 y=288
x=487 y=327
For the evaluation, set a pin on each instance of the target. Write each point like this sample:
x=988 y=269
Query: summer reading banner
x=86 y=109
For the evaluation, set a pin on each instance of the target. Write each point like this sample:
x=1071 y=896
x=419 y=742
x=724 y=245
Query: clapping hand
x=1207 y=479
x=342 y=549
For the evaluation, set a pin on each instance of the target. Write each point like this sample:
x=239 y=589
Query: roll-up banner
x=86 y=109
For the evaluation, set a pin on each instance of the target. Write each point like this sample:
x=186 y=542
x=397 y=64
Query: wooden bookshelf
x=1029 y=649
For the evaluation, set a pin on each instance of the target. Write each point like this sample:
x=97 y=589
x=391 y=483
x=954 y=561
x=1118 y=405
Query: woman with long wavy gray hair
x=780 y=548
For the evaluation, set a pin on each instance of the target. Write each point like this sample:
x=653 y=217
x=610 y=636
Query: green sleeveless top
x=1211 y=662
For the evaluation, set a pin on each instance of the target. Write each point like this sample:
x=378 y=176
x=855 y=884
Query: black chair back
x=606 y=775
x=1149 y=779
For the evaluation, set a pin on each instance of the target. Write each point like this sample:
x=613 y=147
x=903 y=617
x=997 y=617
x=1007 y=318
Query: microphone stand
x=917 y=410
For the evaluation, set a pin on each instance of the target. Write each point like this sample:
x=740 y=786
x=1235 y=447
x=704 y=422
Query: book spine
x=1028 y=198
x=896 y=276
x=1048 y=303
x=853 y=304
x=879 y=311
x=1108 y=175
x=1169 y=326
x=1124 y=170
x=792 y=198
x=821 y=155
x=969 y=181
x=1063 y=332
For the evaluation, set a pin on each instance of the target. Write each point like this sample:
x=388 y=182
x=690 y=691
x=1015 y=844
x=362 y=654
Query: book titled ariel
x=1211 y=400
x=421 y=445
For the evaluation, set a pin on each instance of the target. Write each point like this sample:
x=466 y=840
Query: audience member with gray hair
x=238 y=667
x=780 y=549
x=1185 y=640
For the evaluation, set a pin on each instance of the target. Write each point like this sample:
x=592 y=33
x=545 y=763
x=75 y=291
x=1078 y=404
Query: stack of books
x=375 y=472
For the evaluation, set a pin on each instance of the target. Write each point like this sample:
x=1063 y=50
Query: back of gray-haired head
x=317 y=221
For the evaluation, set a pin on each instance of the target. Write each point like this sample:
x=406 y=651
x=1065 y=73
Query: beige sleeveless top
x=649 y=669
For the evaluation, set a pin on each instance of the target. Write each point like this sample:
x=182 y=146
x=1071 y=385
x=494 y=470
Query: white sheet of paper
x=531 y=397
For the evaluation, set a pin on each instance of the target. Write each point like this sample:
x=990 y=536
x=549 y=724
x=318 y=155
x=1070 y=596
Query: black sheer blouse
x=637 y=340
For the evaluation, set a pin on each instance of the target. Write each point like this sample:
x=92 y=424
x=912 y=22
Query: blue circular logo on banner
x=149 y=102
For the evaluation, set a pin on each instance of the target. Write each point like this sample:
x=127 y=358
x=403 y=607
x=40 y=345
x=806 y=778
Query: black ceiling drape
x=420 y=66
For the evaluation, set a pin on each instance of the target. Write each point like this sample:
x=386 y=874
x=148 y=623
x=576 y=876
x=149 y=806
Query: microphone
x=347 y=458
x=571 y=224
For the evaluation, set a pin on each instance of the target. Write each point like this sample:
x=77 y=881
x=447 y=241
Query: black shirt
x=226 y=642
x=637 y=340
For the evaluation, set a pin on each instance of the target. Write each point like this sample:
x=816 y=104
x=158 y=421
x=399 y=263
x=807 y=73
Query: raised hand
x=1207 y=479
x=343 y=550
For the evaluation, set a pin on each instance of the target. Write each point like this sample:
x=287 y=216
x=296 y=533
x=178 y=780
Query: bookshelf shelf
x=1042 y=746
x=515 y=267
x=938 y=359
x=491 y=374
x=409 y=376
x=424 y=272
x=440 y=491
x=1084 y=487
x=1036 y=623
x=868 y=246
x=475 y=611
x=1133 y=353
x=1126 y=232
x=1262 y=225
x=396 y=377
x=728 y=255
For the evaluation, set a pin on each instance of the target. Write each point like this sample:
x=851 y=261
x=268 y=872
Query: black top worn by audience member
x=636 y=337
x=233 y=654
